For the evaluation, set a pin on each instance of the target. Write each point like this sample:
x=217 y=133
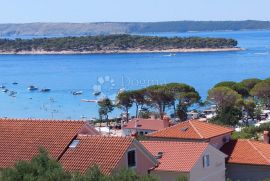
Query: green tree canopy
x=262 y=92
x=105 y=107
x=124 y=101
x=224 y=97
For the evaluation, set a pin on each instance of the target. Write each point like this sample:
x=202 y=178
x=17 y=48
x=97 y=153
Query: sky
x=25 y=11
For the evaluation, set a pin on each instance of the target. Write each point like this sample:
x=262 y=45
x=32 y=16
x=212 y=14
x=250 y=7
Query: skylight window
x=74 y=144
x=184 y=129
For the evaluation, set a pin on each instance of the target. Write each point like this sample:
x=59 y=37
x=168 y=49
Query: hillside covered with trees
x=113 y=43
x=78 y=29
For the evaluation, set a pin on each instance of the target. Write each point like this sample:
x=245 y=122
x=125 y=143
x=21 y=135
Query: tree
x=41 y=168
x=262 y=92
x=130 y=175
x=228 y=104
x=228 y=84
x=227 y=116
x=182 y=178
x=238 y=87
x=138 y=97
x=159 y=97
x=224 y=97
x=250 y=83
x=184 y=96
x=124 y=102
x=105 y=107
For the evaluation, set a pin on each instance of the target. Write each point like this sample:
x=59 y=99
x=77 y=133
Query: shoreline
x=67 y=52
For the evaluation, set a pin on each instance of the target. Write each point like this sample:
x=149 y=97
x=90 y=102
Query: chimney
x=152 y=116
x=266 y=137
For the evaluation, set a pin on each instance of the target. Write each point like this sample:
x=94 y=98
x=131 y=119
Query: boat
x=2 y=86
x=12 y=93
x=5 y=90
x=32 y=88
x=45 y=90
x=15 y=83
x=76 y=93
x=89 y=100
x=96 y=93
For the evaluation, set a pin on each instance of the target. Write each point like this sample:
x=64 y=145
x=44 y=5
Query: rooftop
x=247 y=152
x=147 y=124
x=104 y=151
x=22 y=138
x=192 y=129
x=177 y=156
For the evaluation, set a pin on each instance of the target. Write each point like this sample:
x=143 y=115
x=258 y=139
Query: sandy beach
x=42 y=52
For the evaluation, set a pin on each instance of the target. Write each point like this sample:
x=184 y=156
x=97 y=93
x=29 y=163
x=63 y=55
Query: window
x=206 y=161
x=74 y=144
x=141 y=132
x=131 y=158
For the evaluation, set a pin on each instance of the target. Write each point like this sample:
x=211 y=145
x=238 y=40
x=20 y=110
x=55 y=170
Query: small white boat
x=5 y=90
x=76 y=93
x=89 y=100
x=2 y=86
x=32 y=88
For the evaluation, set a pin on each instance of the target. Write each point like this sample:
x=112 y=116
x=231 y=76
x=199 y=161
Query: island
x=123 y=43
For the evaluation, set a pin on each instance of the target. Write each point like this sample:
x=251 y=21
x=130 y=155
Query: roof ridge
x=253 y=146
x=40 y=119
x=176 y=142
x=195 y=129
x=149 y=134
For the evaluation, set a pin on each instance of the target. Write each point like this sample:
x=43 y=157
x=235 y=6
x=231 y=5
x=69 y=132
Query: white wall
x=216 y=170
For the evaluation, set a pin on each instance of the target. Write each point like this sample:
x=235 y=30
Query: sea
x=108 y=74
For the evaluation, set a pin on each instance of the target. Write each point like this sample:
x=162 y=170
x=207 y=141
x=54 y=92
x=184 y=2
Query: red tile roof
x=177 y=156
x=192 y=129
x=21 y=139
x=247 y=152
x=103 y=151
x=147 y=124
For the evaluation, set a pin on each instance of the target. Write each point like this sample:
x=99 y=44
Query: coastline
x=67 y=52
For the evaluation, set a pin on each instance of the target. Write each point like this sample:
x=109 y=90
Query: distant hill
x=78 y=29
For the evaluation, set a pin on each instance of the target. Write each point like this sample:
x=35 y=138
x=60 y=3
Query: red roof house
x=144 y=126
x=196 y=160
x=109 y=153
x=194 y=130
x=247 y=159
x=21 y=139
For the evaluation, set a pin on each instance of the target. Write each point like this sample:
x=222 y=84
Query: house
x=198 y=161
x=109 y=153
x=247 y=160
x=76 y=144
x=144 y=126
x=194 y=131
x=20 y=139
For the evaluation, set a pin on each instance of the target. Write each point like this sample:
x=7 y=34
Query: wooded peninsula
x=115 y=44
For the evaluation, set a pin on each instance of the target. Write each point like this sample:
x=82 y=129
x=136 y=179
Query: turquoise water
x=66 y=73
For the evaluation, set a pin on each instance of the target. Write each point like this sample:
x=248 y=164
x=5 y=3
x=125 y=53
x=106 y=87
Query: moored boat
x=76 y=93
x=32 y=88
x=45 y=90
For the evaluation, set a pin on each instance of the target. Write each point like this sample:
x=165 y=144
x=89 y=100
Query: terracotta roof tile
x=103 y=151
x=247 y=152
x=21 y=139
x=148 y=124
x=177 y=156
x=192 y=129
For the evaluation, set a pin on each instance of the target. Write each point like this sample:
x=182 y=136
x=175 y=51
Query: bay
x=111 y=72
